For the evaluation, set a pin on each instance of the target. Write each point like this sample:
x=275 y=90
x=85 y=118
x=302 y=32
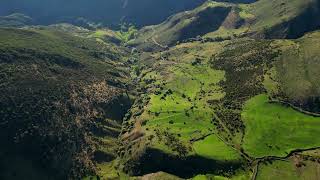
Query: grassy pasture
x=179 y=104
x=287 y=169
x=185 y=110
x=214 y=148
x=275 y=130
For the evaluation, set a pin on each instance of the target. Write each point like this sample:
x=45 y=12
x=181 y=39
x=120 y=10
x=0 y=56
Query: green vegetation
x=245 y=62
x=183 y=101
x=182 y=96
x=239 y=175
x=218 y=21
x=127 y=33
x=293 y=168
x=297 y=73
x=182 y=26
x=105 y=35
x=294 y=130
x=214 y=148
x=278 y=170
x=271 y=13
x=124 y=35
x=55 y=86
x=161 y=176
x=182 y=90
x=177 y=119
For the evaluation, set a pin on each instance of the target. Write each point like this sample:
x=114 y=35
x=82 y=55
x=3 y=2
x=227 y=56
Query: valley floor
x=178 y=124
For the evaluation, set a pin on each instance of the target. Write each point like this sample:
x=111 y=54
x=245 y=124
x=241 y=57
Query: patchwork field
x=214 y=148
x=180 y=106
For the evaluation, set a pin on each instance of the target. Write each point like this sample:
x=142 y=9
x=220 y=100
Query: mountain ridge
x=241 y=20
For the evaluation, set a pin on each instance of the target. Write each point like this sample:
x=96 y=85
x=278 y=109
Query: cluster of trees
x=172 y=141
x=48 y=107
x=244 y=64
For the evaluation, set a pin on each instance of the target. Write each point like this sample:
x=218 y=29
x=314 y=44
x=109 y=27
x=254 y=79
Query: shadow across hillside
x=155 y=160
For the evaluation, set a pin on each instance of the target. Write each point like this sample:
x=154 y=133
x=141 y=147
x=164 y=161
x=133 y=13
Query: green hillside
x=218 y=21
x=188 y=24
x=190 y=111
x=295 y=130
x=299 y=80
x=295 y=168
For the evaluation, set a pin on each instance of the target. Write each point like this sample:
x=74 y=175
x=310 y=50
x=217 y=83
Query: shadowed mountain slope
x=58 y=95
x=108 y=12
x=218 y=21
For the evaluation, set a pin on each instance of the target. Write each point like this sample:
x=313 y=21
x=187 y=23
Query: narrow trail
x=155 y=41
x=231 y=145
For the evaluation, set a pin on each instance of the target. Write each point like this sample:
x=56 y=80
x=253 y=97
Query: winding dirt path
x=155 y=41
